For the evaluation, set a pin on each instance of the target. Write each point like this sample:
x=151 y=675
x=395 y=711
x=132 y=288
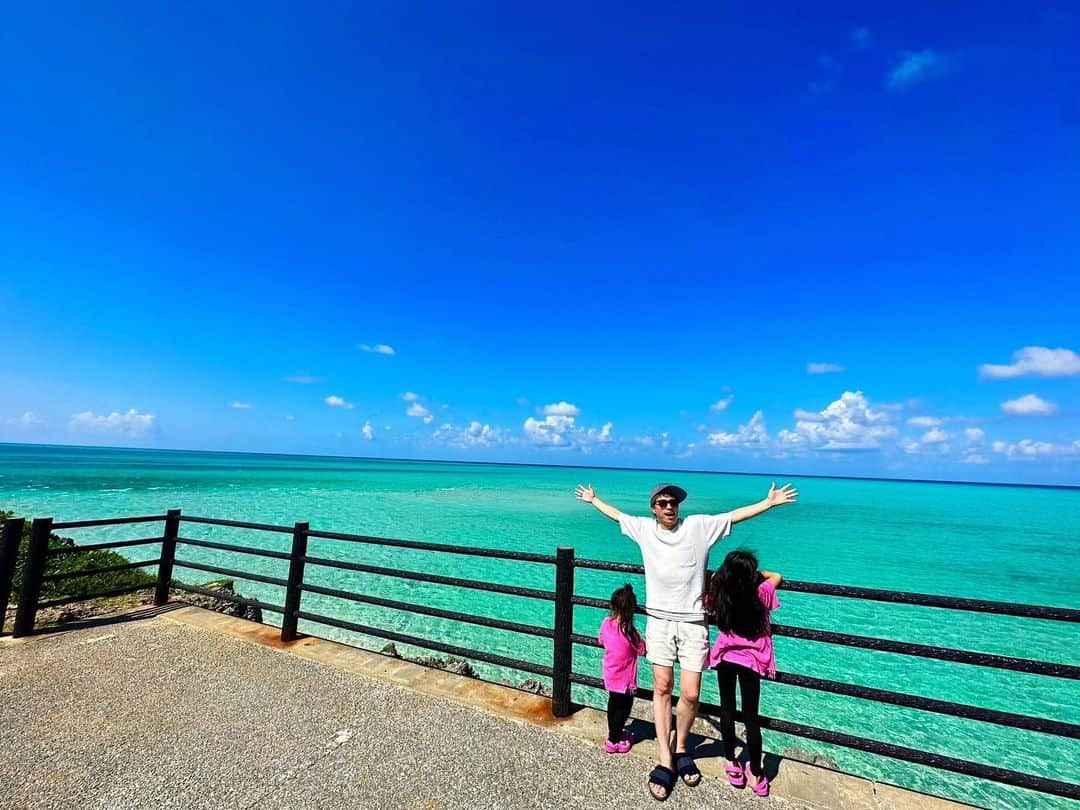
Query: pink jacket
x=620 y=657
x=756 y=654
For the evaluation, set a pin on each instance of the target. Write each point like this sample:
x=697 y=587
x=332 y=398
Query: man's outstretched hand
x=585 y=493
x=778 y=497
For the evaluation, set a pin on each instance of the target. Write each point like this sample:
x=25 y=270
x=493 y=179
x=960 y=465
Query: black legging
x=618 y=710
x=750 y=687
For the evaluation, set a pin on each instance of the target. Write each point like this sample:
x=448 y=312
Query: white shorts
x=686 y=642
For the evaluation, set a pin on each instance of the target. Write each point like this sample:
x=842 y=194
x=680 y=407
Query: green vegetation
x=84 y=587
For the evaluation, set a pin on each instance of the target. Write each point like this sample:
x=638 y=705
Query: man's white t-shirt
x=676 y=561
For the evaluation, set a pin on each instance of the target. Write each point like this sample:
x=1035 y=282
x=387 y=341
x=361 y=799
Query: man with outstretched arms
x=675 y=553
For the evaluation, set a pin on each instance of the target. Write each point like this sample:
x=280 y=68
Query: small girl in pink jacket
x=622 y=646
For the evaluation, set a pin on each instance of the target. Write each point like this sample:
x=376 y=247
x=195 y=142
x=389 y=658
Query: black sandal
x=685 y=765
x=664 y=778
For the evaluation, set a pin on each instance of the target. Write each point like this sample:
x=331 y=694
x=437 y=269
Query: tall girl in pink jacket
x=739 y=599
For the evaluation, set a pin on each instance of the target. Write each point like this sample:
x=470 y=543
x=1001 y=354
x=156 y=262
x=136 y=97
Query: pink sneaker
x=620 y=747
x=762 y=787
x=628 y=738
x=735 y=775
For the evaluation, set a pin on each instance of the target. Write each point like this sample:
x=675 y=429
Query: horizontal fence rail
x=58 y=552
x=67 y=600
x=258 y=552
x=904 y=648
x=927 y=651
x=453 y=615
x=438 y=646
x=928 y=600
x=228 y=597
x=435 y=579
x=238 y=524
x=231 y=572
x=562 y=635
x=961 y=710
x=875 y=595
x=82 y=524
x=471 y=551
x=94 y=571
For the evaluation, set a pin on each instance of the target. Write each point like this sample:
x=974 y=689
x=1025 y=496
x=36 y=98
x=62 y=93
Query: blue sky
x=838 y=241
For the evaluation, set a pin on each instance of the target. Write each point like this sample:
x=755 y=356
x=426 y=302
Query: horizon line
x=555 y=466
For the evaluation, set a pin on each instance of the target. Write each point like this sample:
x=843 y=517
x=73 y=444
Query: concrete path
x=164 y=713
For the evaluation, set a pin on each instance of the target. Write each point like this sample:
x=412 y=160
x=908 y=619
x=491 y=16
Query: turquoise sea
x=1014 y=544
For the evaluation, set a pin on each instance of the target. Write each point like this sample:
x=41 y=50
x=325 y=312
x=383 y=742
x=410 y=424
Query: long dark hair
x=623 y=608
x=732 y=596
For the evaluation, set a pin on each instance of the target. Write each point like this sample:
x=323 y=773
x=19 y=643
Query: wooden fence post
x=9 y=555
x=296 y=579
x=33 y=571
x=168 y=554
x=563 y=647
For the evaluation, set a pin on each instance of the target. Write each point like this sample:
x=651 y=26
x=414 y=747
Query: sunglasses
x=664 y=503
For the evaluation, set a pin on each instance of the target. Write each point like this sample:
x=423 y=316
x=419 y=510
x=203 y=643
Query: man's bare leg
x=686 y=711
x=663 y=681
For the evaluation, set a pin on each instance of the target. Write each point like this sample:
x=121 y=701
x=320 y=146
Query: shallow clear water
x=1001 y=543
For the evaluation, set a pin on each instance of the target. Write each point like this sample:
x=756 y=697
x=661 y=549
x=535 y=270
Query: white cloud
x=823 y=368
x=131 y=423
x=974 y=458
x=409 y=396
x=368 y=431
x=302 y=379
x=722 y=404
x=559 y=428
x=419 y=411
x=1035 y=361
x=1028 y=405
x=752 y=434
x=290 y=418
x=561 y=409
x=602 y=436
x=925 y=421
x=935 y=440
x=334 y=401
x=555 y=431
x=240 y=406
x=935 y=436
x=475 y=435
x=27 y=420
x=1025 y=449
x=849 y=423
x=974 y=434
x=378 y=348
x=916 y=67
x=663 y=441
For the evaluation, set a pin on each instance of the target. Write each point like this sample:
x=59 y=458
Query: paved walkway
x=163 y=713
